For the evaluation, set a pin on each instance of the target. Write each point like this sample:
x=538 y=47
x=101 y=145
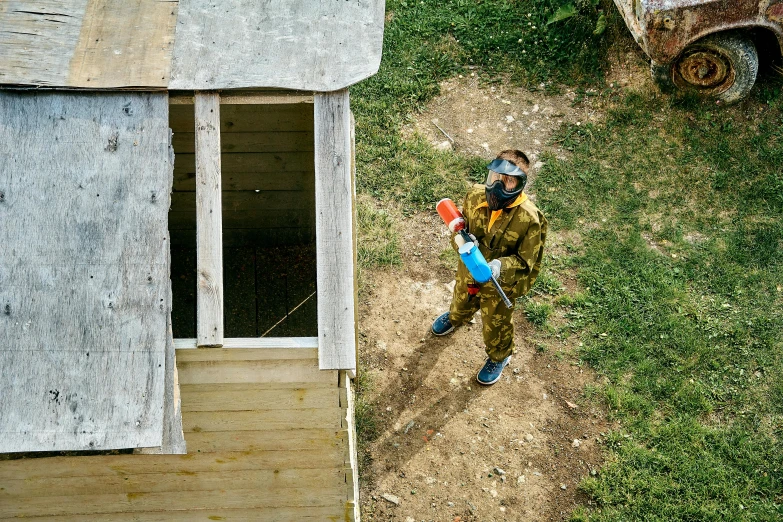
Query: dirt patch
x=483 y=120
x=450 y=449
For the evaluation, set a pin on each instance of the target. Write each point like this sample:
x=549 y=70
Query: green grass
x=679 y=206
x=683 y=259
x=378 y=241
x=429 y=41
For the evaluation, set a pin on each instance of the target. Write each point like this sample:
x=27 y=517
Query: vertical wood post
x=209 y=221
x=334 y=231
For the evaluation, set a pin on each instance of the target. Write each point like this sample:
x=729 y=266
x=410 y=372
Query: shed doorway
x=268 y=202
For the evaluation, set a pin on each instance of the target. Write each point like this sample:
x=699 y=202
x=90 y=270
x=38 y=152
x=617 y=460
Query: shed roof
x=190 y=44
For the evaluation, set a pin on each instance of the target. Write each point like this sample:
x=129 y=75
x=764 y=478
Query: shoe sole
x=442 y=334
x=490 y=383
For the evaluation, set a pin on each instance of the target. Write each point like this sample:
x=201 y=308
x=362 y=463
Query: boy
x=510 y=232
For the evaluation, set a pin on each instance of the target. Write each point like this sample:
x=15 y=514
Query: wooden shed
x=177 y=258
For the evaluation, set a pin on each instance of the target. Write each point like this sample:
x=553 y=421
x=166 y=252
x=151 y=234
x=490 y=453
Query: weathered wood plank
x=249 y=118
x=334 y=231
x=267 y=343
x=38 y=39
x=235 y=142
x=273 y=514
x=260 y=420
x=322 y=46
x=183 y=501
x=234 y=351
x=87 y=43
x=252 y=371
x=238 y=200
x=220 y=461
x=209 y=221
x=312 y=440
x=259 y=399
x=185 y=181
x=124 y=44
x=263 y=479
x=85 y=270
x=246 y=219
x=278 y=162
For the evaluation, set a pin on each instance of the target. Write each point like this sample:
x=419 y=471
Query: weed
x=547 y=284
x=378 y=242
x=538 y=313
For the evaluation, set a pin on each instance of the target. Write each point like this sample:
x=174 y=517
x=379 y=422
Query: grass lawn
x=678 y=206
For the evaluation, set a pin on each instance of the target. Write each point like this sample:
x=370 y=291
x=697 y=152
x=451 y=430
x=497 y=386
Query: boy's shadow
x=402 y=444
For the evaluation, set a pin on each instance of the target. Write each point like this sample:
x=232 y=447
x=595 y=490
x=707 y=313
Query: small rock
x=563 y=487
x=391 y=498
x=408 y=427
x=430 y=480
x=470 y=131
x=571 y=405
x=521 y=479
x=444 y=146
x=388 y=408
x=529 y=438
x=538 y=164
x=494 y=493
x=450 y=504
x=576 y=443
x=499 y=471
x=410 y=519
x=516 y=371
x=509 y=119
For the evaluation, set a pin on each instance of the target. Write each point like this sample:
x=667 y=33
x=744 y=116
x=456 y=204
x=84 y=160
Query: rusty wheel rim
x=705 y=70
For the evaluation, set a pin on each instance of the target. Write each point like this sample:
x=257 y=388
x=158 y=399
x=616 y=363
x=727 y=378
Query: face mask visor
x=512 y=177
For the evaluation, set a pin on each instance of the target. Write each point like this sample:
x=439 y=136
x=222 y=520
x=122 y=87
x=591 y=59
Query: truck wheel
x=721 y=66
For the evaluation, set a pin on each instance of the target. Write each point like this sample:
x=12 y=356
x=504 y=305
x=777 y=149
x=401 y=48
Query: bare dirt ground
x=450 y=449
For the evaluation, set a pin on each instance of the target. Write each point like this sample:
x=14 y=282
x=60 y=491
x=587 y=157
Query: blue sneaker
x=442 y=325
x=491 y=371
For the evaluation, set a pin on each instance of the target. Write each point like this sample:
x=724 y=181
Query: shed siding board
x=84 y=273
x=37 y=40
x=334 y=231
x=87 y=43
x=299 y=44
x=209 y=222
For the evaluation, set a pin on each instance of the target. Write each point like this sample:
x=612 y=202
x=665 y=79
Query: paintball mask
x=505 y=182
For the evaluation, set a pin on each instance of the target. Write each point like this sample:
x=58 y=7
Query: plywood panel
x=294 y=44
x=334 y=231
x=83 y=333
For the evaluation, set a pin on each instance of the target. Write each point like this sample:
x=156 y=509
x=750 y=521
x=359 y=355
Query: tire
x=720 y=66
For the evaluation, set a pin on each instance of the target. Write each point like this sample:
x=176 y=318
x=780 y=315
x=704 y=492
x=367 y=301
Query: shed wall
x=84 y=271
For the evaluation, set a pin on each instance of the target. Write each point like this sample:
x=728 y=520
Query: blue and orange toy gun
x=468 y=251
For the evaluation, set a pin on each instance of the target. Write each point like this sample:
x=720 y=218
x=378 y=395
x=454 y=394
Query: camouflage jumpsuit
x=517 y=239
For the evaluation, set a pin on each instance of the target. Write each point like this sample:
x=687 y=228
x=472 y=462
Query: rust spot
x=775 y=12
x=134 y=496
x=216 y=517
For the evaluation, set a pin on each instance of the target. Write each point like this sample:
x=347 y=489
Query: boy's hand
x=494 y=265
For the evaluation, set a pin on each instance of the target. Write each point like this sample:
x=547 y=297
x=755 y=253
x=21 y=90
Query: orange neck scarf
x=496 y=213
